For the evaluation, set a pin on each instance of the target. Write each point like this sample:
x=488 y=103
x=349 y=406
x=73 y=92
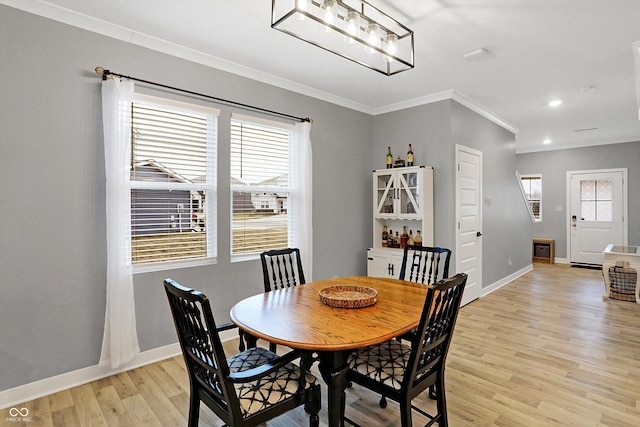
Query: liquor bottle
x=385 y=236
x=418 y=239
x=399 y=162
x=396 y=241
x=404 y=237
x=390 y=239
x=410 y=156
x=389 y=158
x=411 y=242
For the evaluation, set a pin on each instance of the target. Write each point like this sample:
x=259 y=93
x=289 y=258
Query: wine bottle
x=418 y=239
x=411 y=242
x=410 y=156
x=389 y=158
x=385 y=236
x=404 y=237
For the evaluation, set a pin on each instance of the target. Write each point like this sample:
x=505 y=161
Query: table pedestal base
x=334 y=368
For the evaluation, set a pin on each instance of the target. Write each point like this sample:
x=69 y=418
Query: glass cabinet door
x=384 y=199
x=397 y=193
x=409 y=204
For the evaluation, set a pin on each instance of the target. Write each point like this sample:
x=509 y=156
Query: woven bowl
x=348 y=296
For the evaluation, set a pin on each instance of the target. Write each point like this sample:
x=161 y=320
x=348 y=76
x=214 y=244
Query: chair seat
x=280 y=385
x=385 y=363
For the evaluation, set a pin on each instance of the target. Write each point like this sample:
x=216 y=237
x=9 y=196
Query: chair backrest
x=202 y=349
x=439 y=314
x=424 y=264
x=281 y=268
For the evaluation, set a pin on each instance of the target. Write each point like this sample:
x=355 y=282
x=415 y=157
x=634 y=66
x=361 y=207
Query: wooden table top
x=296 y=317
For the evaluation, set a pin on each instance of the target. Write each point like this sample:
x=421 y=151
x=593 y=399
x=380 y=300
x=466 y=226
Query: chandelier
x=353 y=29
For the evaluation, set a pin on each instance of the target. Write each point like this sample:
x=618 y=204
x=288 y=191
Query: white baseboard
x=47 y=386
x=510 y=278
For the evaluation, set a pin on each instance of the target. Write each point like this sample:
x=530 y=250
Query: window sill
x=173 y=265
x=244 y=257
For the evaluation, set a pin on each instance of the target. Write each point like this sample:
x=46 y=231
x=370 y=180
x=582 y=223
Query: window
x=260 y=186
x=596 y=200
x=172 y=164
x=531 y=186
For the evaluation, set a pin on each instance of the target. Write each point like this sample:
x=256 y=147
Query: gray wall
x=553 y=165
x=52 y=213
x=434 y=130
x=426 y=127
x=506 y=227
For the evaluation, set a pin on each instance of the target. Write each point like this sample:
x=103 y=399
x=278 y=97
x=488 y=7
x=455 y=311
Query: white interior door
x=468 y=253
x=597 y=201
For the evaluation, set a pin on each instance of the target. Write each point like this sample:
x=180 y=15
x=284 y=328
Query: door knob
x=478 y=234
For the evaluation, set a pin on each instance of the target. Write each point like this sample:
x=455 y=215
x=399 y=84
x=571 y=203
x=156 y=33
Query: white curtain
x=120 y=339
x=302 y=195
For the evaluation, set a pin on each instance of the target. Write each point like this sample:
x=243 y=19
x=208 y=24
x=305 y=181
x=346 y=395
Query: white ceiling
x=538 y=50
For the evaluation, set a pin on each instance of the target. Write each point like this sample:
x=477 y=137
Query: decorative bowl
x=348 y=296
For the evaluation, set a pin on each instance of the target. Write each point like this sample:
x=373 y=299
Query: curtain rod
x=106 y=73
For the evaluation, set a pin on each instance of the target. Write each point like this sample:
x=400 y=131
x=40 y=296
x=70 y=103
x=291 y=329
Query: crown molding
x=575 y=144
x=463 y=99
x=415 y=102
x=89 y=23
x=455 y=95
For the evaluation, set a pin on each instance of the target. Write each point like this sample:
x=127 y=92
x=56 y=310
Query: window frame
x=597 y=201
x=209 y=187
x=528 y=200
x=291 y=211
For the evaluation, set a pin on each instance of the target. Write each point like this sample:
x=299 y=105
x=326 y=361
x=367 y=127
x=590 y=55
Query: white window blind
x=260 y=186
x=173 y=210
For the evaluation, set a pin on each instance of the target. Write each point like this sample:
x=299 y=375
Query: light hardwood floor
x=544 y=350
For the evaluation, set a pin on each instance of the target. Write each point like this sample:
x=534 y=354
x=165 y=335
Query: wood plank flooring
x=544 y=350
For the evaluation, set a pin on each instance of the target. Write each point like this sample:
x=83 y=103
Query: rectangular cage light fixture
x=353 y=29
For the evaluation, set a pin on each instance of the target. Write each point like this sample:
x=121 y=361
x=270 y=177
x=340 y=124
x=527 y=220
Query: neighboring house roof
x=236 y=181
x=150 y=163
x=279 y=181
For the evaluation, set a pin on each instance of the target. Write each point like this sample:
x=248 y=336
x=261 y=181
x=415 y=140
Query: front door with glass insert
x=596 y=214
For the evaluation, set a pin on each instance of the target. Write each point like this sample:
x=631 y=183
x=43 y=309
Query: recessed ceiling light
x=474 y=55
x=546 y=141
x=555 y=102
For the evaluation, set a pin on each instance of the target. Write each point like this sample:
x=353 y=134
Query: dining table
x=297 y=318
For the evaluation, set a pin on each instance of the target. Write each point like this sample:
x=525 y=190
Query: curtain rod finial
x=103 y=72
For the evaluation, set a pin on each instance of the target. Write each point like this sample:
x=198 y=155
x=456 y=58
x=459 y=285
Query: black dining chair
x=401 y=372
x=424 y=264
x=247 y=389
x=281 y=268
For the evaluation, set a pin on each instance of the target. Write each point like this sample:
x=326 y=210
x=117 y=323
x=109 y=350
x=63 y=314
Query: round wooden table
x=295 y=317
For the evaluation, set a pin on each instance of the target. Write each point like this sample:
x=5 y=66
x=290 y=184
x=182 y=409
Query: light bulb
x=302 y=5
x=352 y=26
x=390 y=46
x=330 y=13
x=373 y=37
